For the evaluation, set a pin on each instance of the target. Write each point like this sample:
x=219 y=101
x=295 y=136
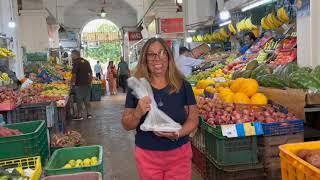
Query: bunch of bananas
x=271 y=21
x=220 y=35
x=232 y=30
x=4 y=77
x=282 y=15
x=6 y=53
x=246 y=24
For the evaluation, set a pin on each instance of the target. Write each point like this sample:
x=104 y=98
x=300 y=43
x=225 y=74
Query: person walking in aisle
x=112 y=78
x=123 y=74
x=98 y=70
x=162 y=155
x=185 y=61
x=81 y=80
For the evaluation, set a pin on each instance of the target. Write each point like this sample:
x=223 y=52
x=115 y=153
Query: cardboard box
x=313 y=99
x=200 y=50
x=293 y=99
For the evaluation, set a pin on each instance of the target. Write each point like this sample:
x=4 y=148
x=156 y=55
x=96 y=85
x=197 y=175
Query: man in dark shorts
x=81 y=80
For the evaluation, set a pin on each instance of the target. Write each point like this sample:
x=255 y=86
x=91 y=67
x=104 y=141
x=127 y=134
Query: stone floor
x=105 y=129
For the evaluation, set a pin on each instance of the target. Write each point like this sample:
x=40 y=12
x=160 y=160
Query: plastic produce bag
x=156 y=119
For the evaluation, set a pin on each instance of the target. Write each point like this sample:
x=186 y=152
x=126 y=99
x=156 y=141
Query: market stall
x=253 y=102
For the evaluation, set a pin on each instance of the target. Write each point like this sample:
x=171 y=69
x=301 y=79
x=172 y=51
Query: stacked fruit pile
x=8 y=95
x=81 y=163
x=217 y=112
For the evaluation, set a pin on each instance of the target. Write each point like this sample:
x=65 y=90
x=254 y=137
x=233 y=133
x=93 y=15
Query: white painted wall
x=308 y=28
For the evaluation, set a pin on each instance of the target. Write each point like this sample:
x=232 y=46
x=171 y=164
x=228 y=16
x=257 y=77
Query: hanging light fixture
x=224 y=15
x=103 y=13
x=11 y=24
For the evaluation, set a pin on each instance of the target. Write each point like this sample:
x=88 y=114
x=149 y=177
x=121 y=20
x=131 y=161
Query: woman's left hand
x=170 y=135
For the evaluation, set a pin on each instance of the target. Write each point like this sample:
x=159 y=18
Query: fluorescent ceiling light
x=225 y=23
x=255 y=4
x=191 y=31
x=189 y=39
x=11 y=24
x=224 y=15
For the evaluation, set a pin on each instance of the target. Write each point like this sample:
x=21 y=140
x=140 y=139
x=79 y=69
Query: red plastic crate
x=200 y=162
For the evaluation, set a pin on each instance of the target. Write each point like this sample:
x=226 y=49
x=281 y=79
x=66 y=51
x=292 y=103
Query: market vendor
x=248 y=40
x=185 y=61
x=43 y=76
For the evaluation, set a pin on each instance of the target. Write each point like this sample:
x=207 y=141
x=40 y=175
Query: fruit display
x=68 y=139
x=237 y=65
x=204 y=74
x=311 y=156
x=4 y=53
x=56 y=89
x=282 y=15
x=8 y=95
x=246 y=24
x=5 y=79
x=285 y=57
x=217 y=56
x=218 y=112
x=242 y=91
x=262 y=57
x=6 y=132
x=90 y=161
x=271 y=45
x=270 y=22
x=220 y=35
x=288 y=43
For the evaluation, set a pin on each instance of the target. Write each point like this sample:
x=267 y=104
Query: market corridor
x=105 y=129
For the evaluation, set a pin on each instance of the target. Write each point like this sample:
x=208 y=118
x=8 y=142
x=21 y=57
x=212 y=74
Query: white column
x=308 y=28
x=34 y=30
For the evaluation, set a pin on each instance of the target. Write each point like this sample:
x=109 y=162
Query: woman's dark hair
x=251 y=36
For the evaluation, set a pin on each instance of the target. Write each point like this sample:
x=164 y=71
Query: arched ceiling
x=79 y=12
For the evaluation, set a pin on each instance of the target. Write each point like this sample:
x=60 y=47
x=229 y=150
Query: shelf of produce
x=62 y=156
x=33 y=163
x=33 y=141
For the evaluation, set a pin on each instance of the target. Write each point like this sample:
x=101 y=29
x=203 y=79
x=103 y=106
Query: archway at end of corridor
x=101 y=41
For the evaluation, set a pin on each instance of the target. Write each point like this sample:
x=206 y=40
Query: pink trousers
x=164 y=165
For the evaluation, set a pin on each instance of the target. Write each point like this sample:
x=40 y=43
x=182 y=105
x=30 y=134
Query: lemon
x=67 y=166
x=87 y=162
x=72 y=162
x=79 y=161
x=94 y=158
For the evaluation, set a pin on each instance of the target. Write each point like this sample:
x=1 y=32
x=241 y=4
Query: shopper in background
x=98 y=70
x=186 y=62
x=162 y=155
x=81 y=80
x=112 y=78
x=248 y=40
x=123 y=74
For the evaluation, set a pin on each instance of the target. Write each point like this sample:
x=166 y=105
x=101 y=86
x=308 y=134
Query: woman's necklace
x=160 y=103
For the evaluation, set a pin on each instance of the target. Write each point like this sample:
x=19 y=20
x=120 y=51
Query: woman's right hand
x=144 y=105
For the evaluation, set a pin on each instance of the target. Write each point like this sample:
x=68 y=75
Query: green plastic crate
x=216 y=130
x=62 y=156
x=240 y=172
x=33 y=141
x=231 y=151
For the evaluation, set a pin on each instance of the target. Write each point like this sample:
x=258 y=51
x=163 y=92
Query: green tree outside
x=105 y=51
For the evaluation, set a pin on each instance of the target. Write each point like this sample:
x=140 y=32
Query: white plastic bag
x=156 y=119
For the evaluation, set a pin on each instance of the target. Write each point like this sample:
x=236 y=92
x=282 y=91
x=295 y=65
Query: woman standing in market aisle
x=112 y=78
x=160 y=155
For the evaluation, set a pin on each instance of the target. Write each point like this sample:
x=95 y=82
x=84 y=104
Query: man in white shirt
x=98 y=70
x=185 y=61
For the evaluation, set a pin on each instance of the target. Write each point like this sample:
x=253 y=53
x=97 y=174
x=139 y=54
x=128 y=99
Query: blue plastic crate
x=281 y=128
